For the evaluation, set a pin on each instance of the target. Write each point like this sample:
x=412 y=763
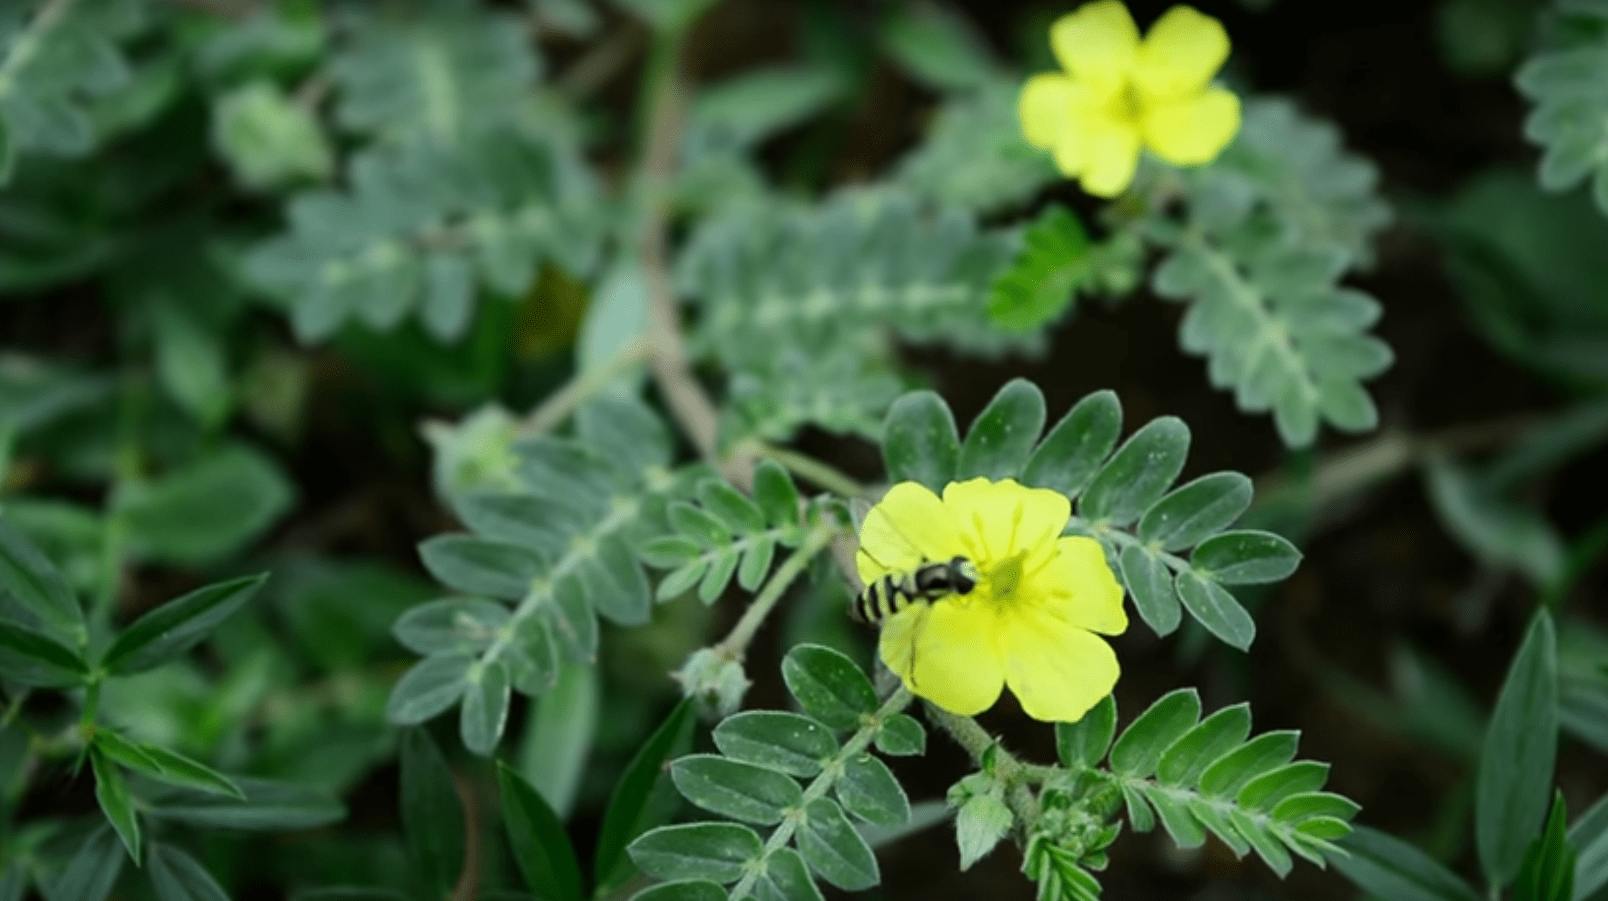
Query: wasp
x=927 y=582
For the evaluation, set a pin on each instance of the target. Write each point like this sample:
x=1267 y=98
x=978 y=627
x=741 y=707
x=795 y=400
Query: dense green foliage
x=439 y=461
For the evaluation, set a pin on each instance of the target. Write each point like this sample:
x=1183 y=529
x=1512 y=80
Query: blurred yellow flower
x=1029 y=622
x=1119 y=94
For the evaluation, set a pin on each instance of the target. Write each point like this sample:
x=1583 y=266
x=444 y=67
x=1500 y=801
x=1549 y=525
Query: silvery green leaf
x=828 y=686
x=870 y=791
x=834 y=850
x=735 y=789
x=786 y=742
x=718 y=852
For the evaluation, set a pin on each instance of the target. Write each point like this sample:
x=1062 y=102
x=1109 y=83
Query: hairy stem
x=581 y=388
x=810 y=469
x=735 y=645
x=689 y=404
x=822 y=784
x=977 y=742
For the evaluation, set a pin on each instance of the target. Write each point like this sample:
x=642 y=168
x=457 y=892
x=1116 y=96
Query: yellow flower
x=1030 y=621
x=1119 y=94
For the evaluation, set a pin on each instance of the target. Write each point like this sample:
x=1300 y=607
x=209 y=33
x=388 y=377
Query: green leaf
x=1387 y=867
x=785 y=742
x=432 y=685
x=559 y=737
x=718 y=852
x=1493 y=527
x=1139 y=749
x=268 y=139
x=983 y=820
x=1000 y=439
x=432 y=817
x=869 y=790
x=1195 y=511
x=112 y=793
x=775 y=493
x=1138 y=474
x=1070 y=455
x=732 y=788
x=741 y=515
x=834 y=850
x=1185 y=830
x=28 y=658
x=1084 y=743
x=164 y=765
x=1314 y=805
x=28 y=577
x=8 y=152
x=478 y=566
x=1230 y=773
x=1589 y=835
x=177 y=518
x=540 y=844
x=191 y=361
x=1547 y=872
x=1151 y=584
x=463 y=625
x=919 y=441
x=755 y=105
x=1213 y=607
x=93 y=869
x=176 y=876
x=485 y=707
x=1274 y=325
x=901 y=736
x=1245 y=557
x=1265 y=791
x=828 y=686
x=1521 y=743
x=786 y=878
x=938 y=48
x=1185 y=759
x=175 y=627
x=266 y=805
x=630 y=811
x=1053 y=264
x=1569 y=118
x=437 y=77
x=682 y=890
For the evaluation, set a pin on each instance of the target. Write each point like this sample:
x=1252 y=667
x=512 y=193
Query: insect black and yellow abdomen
x=928 y=582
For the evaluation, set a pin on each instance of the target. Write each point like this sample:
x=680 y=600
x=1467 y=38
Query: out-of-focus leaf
x=559 y=737
x=177 y=518
x=540 y=845
x=176 y=626
x=1521 y=742
x=631 y=810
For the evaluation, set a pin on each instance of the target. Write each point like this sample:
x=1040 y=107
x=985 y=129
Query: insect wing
x=900 y=634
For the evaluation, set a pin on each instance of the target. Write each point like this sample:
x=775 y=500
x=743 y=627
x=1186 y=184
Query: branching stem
x=581 y=388
x=822 y=784
x=1014 y=773
x=810 y=469
x=736 y=644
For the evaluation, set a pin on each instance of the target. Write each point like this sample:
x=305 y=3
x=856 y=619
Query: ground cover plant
x=685 y=450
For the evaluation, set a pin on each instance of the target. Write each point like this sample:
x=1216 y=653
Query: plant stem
x=672 y=369
x=976 y=741
x=735 y=645
x=810 y=469
x=822 y=784
x=581 y=388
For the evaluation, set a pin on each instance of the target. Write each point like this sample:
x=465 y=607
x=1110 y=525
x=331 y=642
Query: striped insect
x=928 y=582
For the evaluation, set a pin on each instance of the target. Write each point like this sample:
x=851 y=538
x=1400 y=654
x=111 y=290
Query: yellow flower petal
x=1097 y=43
x=909 y=526
x=1193 y=131
x=1056 y=670
x=946 y=652
x=1045 y=102
x=1000 y=518
x=1109 y=153
x=1180 y=54
x=1081 y=587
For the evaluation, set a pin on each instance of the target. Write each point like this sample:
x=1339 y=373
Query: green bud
x=268 y=139
x=715 y=681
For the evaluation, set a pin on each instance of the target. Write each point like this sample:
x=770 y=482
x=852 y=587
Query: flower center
x=1002 y=578
x=1127 y=105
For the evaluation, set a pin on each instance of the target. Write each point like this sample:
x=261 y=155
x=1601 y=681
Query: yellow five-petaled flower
x=1029 y=622
x=1119 y=95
